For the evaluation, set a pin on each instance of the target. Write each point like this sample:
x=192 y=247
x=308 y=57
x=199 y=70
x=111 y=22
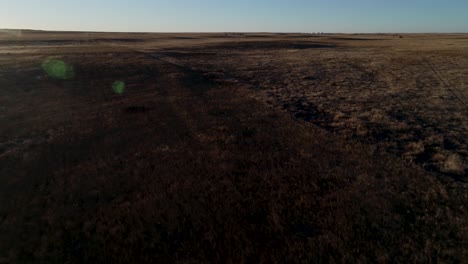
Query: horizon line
x=221 y=32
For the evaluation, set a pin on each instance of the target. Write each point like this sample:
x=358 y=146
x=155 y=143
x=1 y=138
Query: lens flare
x=118 y=87
x=58 y=69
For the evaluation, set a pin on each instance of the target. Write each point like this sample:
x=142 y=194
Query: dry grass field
x=233 y=148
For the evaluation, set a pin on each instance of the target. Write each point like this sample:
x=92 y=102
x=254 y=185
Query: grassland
x=255 y=148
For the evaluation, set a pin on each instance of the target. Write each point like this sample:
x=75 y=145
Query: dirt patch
x=271 y=45
x=137 y=109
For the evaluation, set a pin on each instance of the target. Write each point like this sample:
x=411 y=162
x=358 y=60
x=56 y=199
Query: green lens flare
x=118 y=87
x=58 y=69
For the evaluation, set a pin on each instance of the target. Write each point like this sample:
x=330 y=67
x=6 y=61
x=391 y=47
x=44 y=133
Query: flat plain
x=235 y=148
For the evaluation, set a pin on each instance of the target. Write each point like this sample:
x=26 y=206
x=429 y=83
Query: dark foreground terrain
x=256 y=148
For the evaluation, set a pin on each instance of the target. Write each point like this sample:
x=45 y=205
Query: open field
x=195 y=148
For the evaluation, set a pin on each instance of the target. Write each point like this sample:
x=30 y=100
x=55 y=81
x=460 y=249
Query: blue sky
x=237 y=15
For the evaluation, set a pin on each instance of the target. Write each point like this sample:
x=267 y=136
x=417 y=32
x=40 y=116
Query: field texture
x=247 y=148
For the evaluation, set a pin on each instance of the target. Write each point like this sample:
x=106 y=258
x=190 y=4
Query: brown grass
x=387 y=91
x=197 y=162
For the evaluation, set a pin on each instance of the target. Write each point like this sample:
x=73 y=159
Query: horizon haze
x=242 y=16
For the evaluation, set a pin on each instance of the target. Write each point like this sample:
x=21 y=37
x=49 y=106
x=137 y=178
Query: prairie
x=235 y=148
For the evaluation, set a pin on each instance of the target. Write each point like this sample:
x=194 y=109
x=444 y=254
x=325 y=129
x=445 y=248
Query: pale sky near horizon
x=347 y=16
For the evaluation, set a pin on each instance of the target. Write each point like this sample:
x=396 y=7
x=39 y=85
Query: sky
x=345 y=16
